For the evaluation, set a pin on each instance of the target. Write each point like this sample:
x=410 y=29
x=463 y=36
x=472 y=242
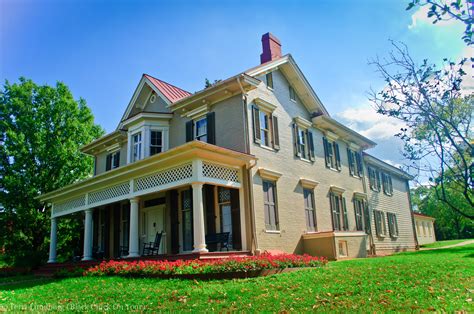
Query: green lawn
x=441 y=280
x=438 y=244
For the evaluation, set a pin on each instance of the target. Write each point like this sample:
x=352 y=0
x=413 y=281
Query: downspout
x=249 y=171
x=417 y=247
x=371 y=235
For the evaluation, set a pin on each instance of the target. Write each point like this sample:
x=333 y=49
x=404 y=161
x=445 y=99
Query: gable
x=152 y=95
x=296 y=79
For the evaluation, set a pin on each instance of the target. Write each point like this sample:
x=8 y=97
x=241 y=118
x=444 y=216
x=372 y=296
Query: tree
x=208 y=83
x=438 y=135
x=449 y=224
x=440 y=10
x=41 y=130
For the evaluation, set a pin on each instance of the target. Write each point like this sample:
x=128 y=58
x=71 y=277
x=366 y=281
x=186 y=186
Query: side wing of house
x=389 y=201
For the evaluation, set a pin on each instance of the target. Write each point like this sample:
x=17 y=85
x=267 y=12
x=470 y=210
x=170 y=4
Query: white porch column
x=198 y=219
x=53 y=240
x=243 y=228
x=133 y=247
x=88 y=235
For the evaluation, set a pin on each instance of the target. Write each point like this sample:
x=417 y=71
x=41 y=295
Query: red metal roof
x=171 y=92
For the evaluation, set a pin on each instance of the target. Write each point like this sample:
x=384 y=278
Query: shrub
x=216 y=266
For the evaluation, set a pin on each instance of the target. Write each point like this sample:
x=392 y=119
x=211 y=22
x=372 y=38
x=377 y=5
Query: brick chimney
x=271 y=48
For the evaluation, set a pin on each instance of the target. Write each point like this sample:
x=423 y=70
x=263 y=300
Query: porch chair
x=219 y=238
x=152 y=248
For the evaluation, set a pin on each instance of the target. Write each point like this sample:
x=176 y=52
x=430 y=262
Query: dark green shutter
x=174 y=222
x=117 y=160
x=390 y=184
x=108 y=162
x=344 y=212
x=256 y=124
x=211 y=127
x=351 y=161
x=327 y=157
x=276 y=138
x=235 y=213
x=296 y=140
x=311 y=145
x=359 y=164
x=338 y=156
x=189 y=131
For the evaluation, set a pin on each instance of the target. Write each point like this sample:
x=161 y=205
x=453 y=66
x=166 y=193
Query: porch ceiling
x=192 y=162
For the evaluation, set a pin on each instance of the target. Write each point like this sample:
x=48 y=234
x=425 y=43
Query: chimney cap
x=269 y=35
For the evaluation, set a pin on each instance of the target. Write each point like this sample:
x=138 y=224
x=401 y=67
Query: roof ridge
x=167 y=83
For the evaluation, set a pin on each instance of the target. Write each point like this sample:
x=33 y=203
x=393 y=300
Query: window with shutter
x=112 y=161
x=265 y=127
x=270 y=206
x=359 y=212
x=355 y=163
x=374 y=179
x=339 y=212
x=331 y=154
x=276 y=138
x=387 y=184
x=310 y=212
x=380 y=225
x=392 y=225
x=367 y=218
x=211 y=127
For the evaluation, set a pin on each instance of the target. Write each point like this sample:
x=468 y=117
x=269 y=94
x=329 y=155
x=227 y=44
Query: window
x=269 y=78
x=201 y=130
x=392 y=225
x=137 y=146
x=331 y=153
x=374 y=179
x=309 y=209
x=303 y=139
x=270 y=206
x=224 y=200
x=387 y=184
x=359 y=205
x=112 y=161
x=292 y=94
x=125 y=218
x=265 y=128
x=342 y=245
x=339 y=212
x=380 y=225
x=355 y=163
x=156 y=142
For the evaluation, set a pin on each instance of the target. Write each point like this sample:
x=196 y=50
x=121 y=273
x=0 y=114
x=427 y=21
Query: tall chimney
x=271 y=48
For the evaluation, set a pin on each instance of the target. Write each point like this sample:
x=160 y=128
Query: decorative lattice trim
x=214 y=171
x=109 y=193
x=164 y=177
x=70 y=204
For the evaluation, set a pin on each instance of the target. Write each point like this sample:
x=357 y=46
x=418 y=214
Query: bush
x=193 y=267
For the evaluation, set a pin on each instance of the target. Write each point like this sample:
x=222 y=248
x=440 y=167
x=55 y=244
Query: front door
x=153 y=224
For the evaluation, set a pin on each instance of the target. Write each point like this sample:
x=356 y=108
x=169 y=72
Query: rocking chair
x=152 y=248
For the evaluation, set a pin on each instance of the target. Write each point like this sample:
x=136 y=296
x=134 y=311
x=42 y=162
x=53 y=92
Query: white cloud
x=420 y=17
x=369 y=123
x=395 y=164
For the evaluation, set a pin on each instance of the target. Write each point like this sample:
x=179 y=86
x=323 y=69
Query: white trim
x=196 y=113
x=302 y=123
x=269 y=174
x=308 y=183
x=360 y=195
x=264 y=105
x=147 y=115
x=337 y=189
x=331 y=136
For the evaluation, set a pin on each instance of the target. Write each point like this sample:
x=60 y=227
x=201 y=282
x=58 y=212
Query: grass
x=441 y=280
x=444 y=243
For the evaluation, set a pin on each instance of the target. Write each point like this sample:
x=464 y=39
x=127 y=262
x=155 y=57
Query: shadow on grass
x=30 y=282
x=464 y=251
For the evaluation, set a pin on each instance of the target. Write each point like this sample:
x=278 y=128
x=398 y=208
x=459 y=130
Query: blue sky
x=101 y=48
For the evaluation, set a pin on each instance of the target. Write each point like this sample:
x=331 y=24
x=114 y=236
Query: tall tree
x=441 y=10
x=41 y=130
x=438 y=139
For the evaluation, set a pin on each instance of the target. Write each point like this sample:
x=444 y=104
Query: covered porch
x=194 y=196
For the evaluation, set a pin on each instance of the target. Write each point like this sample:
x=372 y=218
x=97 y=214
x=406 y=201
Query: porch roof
x=147 y=166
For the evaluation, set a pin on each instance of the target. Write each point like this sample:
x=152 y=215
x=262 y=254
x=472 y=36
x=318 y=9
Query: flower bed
x=224 y=268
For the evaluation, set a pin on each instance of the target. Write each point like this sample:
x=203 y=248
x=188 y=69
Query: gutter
x=249 y=171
